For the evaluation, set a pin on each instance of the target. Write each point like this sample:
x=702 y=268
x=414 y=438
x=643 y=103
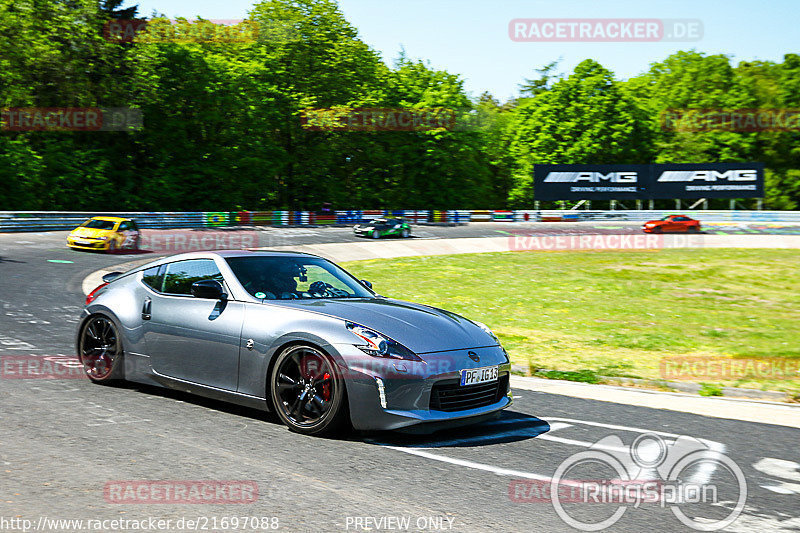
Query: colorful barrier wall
x=20 y=221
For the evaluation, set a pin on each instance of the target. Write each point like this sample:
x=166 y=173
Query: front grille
x=450 y=396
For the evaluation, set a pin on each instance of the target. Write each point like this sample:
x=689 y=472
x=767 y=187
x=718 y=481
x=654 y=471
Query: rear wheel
x=693 y=229
x=308 y=391
x=405 y=233
x=100 y=351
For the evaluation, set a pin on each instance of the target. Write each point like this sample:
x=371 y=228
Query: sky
x=471 y=37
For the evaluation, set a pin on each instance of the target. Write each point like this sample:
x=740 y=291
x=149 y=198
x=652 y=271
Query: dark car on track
x=383 y=227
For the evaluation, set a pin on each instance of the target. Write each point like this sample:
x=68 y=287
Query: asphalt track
x=63 y=440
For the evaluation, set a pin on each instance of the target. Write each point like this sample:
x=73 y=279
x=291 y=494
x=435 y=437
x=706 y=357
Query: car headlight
x=485 y=328
x=103 y=238
x=378 y=345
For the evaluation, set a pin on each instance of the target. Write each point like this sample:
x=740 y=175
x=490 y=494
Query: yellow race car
x=110 y=234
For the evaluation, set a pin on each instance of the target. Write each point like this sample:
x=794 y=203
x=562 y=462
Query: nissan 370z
x=293 y=333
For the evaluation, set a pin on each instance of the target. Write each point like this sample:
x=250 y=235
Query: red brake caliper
x=326 y=387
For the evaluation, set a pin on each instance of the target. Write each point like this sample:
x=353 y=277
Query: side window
x=154 y=278
x=133 y=225
x=180 y=275
x=123 y=226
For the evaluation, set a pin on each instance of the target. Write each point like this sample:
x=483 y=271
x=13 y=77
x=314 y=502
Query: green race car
x=383 y=227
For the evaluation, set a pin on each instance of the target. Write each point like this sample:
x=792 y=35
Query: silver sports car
x=293 y=333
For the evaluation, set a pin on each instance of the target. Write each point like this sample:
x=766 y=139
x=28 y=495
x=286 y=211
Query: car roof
x=110 y=219
x=235 y=253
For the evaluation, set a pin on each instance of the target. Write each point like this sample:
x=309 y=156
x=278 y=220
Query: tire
x=406 y=233
x=112 y=246
x=307 y=391
x=100 y=350
x=658 y=229
x=376 y=234
x=693 y=229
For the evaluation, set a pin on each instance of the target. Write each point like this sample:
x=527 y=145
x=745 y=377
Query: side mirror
x=366 y=283
x=210 y=289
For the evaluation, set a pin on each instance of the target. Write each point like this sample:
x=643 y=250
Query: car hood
x=420 y=328
x=91 y=232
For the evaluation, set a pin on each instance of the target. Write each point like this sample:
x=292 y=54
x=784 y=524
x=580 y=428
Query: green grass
x=614 y=313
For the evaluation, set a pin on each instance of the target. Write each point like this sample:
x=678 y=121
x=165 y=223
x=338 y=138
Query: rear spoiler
x=111 y=276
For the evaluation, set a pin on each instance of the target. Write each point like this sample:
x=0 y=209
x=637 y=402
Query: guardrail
x=22 y=221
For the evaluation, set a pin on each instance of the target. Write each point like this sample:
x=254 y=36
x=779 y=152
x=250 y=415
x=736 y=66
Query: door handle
x=146 y=309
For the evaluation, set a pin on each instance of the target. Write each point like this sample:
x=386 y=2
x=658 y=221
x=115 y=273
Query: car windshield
x=291 y=278
x=99 y=224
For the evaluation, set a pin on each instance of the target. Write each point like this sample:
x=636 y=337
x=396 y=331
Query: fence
x=51 y=221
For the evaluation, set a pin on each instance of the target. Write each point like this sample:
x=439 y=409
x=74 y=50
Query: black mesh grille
x=450 y=396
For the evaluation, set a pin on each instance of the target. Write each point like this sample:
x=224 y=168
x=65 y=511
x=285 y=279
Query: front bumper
x=81 y=243
x=412 y=390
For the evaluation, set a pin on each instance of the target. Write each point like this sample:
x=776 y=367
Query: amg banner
x=720 y=180
x=589 y=182
x=646 y=182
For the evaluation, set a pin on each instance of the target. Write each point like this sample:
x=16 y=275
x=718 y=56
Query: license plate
x=474 y=376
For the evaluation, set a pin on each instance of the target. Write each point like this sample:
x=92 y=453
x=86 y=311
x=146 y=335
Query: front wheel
x=308 y=391
x=376 y=234
x=100 y=351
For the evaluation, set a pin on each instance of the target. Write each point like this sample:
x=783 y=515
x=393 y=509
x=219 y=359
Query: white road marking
x=779 y=468
x=471 y=464
x=782 y=469
x=10 y=343
x=701 y=475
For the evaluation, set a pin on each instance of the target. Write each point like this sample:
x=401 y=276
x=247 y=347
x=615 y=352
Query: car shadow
x=130 y=252
x=201 y=401
x=510 y=426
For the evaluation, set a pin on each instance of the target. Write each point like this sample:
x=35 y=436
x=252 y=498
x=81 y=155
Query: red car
x=672 y=224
